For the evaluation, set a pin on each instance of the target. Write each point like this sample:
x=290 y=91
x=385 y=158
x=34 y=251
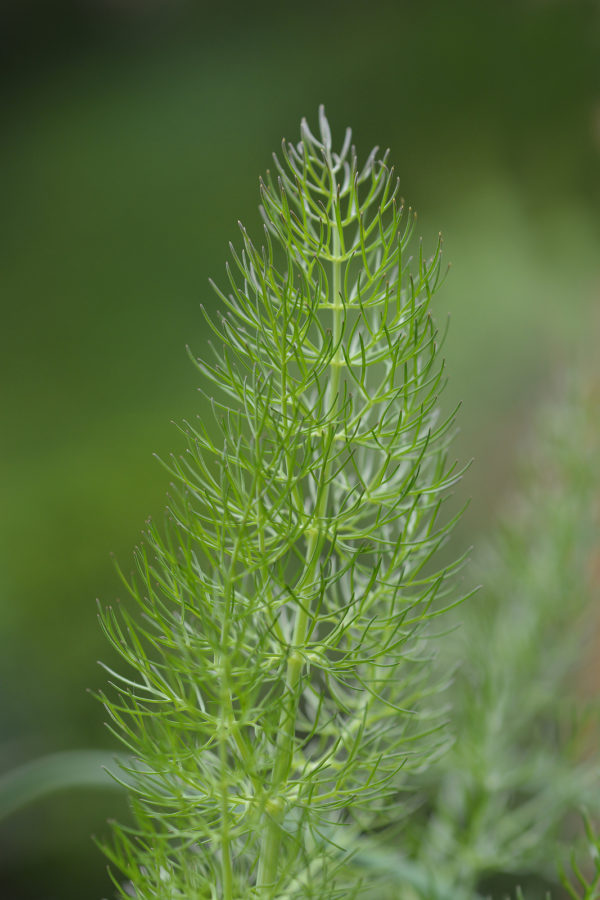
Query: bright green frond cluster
x=277 y=691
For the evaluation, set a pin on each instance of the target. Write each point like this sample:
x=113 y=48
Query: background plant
x=526 y=753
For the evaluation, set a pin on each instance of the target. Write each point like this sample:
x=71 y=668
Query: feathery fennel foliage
x=277 y=681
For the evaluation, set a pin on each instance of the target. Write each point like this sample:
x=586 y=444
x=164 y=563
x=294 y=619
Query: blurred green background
x=133 y=137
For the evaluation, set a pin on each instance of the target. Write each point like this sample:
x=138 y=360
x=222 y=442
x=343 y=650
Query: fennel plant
x=278 y=661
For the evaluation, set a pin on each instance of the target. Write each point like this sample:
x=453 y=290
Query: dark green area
x=132 y=144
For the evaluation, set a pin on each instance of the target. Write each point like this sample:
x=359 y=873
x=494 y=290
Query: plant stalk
x=269 y=855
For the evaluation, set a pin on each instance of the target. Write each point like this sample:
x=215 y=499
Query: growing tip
x=324 y=127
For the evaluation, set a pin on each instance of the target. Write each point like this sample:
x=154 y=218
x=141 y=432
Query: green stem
x=269 y=855
x=225 y=728
x=226 y=863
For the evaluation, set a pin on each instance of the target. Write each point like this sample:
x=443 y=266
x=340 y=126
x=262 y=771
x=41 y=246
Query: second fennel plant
x=278 y=672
